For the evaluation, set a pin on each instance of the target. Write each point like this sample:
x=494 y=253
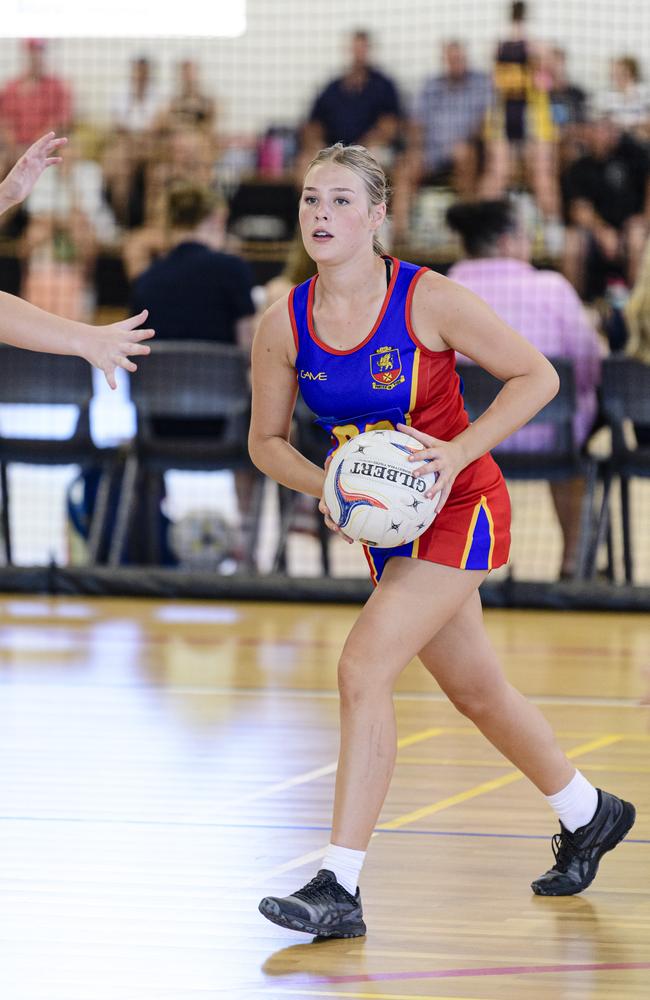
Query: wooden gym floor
x=165 y=764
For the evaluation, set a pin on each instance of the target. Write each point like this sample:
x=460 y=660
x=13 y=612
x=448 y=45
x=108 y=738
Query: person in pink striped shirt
x=544 y=308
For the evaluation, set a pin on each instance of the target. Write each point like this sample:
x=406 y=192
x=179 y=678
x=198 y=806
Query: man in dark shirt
x=606 y=204
x=197 y=292
x=362 y=106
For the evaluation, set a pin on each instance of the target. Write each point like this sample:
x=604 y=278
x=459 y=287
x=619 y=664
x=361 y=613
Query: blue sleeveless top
x=388 y=378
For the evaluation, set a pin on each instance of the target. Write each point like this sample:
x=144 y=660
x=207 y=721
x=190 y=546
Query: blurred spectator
x=35 y=102
x=606 y=205
x=186 y=154
x=132 y=146
x=139 y=103
x=196 y=292
x=628 y=101
x=299 y=267
x=443 y=135
x=68 y=220
x=544 y=308
x=636 y=313
x=568 y=108
x=520 y=125
x=362 y=106
x=189 y=106
x=568 y=101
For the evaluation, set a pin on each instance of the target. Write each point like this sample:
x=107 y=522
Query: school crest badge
x=386 y=368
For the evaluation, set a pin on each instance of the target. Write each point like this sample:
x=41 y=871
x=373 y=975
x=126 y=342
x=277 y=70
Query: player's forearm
x=517 y=402
x=25 y=325
x=279 y=460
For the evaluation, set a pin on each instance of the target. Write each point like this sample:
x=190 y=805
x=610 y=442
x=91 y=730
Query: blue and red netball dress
x=391 y=378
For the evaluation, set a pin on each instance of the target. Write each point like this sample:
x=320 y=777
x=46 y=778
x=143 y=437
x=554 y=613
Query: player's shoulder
x=434 y=289
x=274 y=333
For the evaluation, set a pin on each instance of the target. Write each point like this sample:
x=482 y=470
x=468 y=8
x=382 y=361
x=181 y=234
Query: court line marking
x=279 y=826
x=302 y=779
x=434 y=696
x=452 y=800
x=513 y=970
x=488 y=786
x=459 y=762
x=305 y=859
x=368 y=996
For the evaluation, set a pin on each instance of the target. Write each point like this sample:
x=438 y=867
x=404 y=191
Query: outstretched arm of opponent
x=22 y=177
x=105 y=347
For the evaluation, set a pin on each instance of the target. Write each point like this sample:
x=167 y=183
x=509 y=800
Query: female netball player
x=24 y=325
x=327 y=339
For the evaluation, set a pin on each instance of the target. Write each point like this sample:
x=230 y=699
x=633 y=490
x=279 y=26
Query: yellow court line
x=305 y=859
x=468 y=762
x=320 y=772
x=488 y=786
x=452 y=800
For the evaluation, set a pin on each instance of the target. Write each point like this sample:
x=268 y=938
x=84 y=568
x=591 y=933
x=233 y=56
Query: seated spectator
x=627 y=103
x=443 y=136
x=544 y=308
x=362 y=106
x=186 y=154
x=132 y=146
x=35 y=102
x=68 y=220
x=189 y=107
x=196 y=292
x=568 y=108
x=605 y=196
x=637 y=313
x=520 y=125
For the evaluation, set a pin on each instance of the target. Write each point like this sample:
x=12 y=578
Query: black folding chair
x=32 y=378
x=313 y=442
x=561 y=462
x=186 y=381
x=625 y=396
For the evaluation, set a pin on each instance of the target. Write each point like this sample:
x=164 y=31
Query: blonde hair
x=364 y=165
x=637 y=313
x=189 y=204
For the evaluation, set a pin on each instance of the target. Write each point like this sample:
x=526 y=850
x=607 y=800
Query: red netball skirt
x=472 y=531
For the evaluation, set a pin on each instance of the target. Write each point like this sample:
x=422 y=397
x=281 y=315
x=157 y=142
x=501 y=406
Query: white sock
x=346 y=865
x=576 y=804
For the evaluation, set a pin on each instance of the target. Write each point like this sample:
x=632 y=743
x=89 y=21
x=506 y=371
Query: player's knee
x=356 y=685
x=475 y=702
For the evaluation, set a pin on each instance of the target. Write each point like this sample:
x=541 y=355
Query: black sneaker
x=322 y=907
x=577 y=854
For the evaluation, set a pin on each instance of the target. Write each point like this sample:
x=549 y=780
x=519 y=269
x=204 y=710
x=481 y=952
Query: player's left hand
x=109 y=347
x=22 y=177
x=443 y=457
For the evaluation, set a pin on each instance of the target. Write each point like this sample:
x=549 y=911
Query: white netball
x=371 y=491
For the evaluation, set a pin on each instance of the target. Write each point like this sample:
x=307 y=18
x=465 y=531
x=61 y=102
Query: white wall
x=291 y=46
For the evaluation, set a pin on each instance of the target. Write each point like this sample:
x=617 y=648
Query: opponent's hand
x=109 y=347
x=443 y=457
x=22 y=177
x=325 y=511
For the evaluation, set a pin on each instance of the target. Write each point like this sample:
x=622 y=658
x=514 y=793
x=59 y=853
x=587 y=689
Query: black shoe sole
x=270 y=909
x=622 y=828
